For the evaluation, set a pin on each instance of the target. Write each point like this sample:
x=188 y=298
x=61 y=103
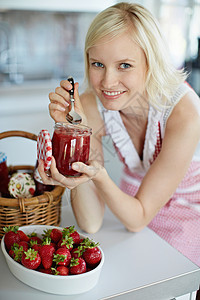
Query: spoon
x=72 y=116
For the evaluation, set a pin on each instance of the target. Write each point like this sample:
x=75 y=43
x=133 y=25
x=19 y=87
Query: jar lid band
x=44 y=148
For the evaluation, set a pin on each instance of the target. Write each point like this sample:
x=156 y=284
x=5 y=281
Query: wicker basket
x=44 y=209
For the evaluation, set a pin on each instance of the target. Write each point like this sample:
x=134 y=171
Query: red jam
x=70 y=143
x=4 y=176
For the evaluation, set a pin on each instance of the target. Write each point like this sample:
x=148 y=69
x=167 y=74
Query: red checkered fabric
x=158 y=143
x=44 y=148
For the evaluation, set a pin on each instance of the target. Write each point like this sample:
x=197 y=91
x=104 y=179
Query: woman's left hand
x=90 y=171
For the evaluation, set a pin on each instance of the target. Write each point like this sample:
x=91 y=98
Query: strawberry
x=46 y=271
x=23 y=236
x=46 y=253
x=34 y=237
x=34 y=245
x=24 y=245
x=62 y=257
x=81 y=240
x=55 y=234
x=16 y=252
x=53 y=245
x=77 y=252
x=61 y=270
x=31 y=259
x=92 y=255
x=71 y=232
x=11 y=236
x=12 y=254
x=77 y=266
x=66 y=242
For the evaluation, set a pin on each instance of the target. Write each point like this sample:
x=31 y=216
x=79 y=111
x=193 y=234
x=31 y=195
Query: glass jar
x=4 y=176
x=70 y=143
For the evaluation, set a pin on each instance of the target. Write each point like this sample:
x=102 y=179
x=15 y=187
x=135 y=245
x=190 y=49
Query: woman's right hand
x=92 y=171
x=60 y=102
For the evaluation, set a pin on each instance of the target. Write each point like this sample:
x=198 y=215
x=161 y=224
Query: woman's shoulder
x=187 y=111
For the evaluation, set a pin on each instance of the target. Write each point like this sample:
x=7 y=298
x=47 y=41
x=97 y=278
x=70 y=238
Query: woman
x=137 y=97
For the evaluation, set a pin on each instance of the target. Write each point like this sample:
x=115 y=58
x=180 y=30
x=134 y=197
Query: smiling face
x=117 y=71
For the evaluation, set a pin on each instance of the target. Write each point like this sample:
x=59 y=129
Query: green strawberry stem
x=80 y=250
x=67 y=241
x=58 y=258
x=74 y=262
x=31 y=254
x=87 y=243
x=55 y=271
x=46 y=241
x=47 y=233
x=11 y=228
x=68 y=231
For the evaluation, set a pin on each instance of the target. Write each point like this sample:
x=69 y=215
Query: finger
x=58 y=116
x=89 y=171
x=66 y=85
x=62 y=92
x=57 y=106
x=45 y=178
x=55 y=98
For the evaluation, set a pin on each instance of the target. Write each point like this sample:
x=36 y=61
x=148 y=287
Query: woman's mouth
x=112 y=94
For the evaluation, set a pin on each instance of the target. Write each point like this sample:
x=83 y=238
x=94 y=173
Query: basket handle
x=13 y=133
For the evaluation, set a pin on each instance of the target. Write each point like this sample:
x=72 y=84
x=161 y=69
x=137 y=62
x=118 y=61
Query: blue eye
x=125 y=66
x=98 y=64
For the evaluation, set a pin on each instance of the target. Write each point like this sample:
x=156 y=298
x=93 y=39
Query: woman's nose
x=110 y=79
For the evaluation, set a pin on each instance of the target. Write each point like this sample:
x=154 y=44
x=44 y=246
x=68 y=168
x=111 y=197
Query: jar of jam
x=70 y=143
x=4 y=176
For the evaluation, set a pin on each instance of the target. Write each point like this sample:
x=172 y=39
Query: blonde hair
x=162 y=79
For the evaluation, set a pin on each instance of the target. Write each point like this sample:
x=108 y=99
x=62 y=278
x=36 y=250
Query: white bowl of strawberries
x=53 y=259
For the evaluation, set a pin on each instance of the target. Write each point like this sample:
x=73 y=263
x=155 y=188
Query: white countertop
x=137 y=266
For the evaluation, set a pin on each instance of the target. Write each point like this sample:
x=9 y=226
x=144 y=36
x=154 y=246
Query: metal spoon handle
x=71 y=92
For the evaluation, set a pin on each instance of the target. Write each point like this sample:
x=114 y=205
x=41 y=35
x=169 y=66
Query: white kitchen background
x=41 y=42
